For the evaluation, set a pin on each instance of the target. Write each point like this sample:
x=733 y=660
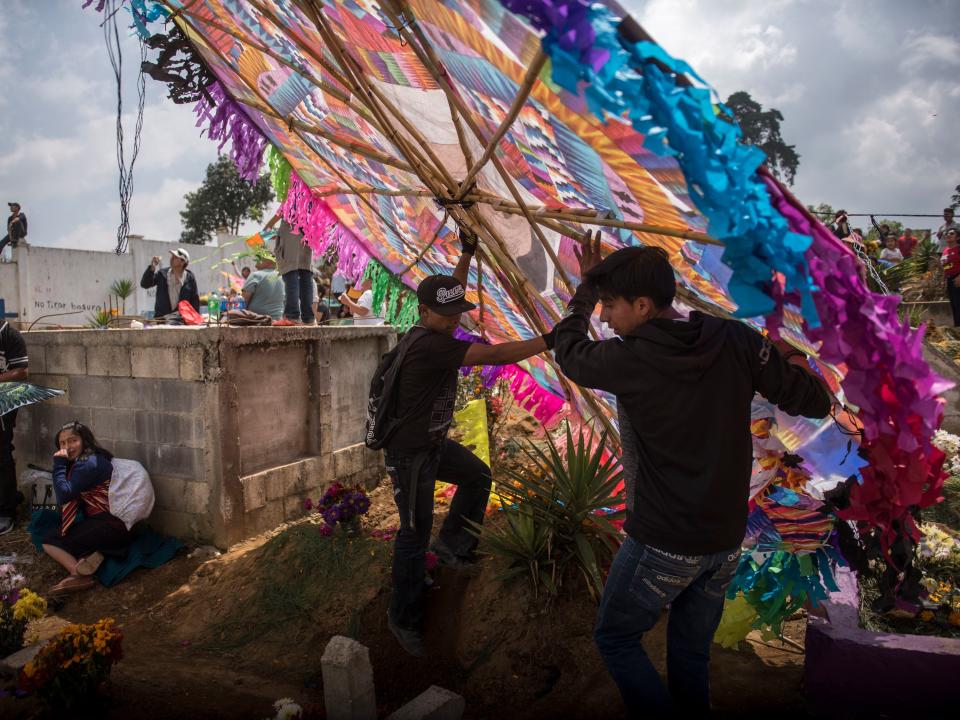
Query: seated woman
x=81 y=480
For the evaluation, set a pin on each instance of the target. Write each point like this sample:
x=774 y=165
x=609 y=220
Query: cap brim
x=453 y=309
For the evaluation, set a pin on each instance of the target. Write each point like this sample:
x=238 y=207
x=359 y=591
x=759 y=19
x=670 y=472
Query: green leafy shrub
x=557 y=515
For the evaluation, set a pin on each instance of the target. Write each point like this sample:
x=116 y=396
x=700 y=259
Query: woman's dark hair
x=90 y=445
x=637 y=272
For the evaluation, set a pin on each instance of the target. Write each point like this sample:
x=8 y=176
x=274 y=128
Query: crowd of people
x=284 y=289
x=891 y=249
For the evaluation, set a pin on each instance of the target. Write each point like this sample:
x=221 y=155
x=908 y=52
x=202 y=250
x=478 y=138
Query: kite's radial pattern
x=384 y=122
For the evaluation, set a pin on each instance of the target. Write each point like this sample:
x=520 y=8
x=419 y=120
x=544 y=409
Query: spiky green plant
x=99 y=319
x=557 y=514
x=122 y=289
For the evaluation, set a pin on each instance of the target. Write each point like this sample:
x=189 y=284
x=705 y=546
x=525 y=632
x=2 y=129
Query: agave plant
x=122 y=289
x=99 y=319
x=558 y=513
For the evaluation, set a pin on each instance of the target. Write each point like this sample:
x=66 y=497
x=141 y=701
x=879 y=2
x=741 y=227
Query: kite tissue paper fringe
x=589 y=56
x=280 y=171
x=321 y=229
x=764 y=233
x=887 y=379
x=227 y=121
x=546 y=407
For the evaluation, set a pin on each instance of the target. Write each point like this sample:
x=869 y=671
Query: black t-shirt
x=427 y=381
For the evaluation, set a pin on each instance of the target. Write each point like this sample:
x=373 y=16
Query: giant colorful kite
x=383 y=123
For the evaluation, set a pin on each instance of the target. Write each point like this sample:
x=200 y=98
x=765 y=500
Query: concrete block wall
x=234 y=425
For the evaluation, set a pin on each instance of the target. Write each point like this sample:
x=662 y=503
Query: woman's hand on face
x=61 y=453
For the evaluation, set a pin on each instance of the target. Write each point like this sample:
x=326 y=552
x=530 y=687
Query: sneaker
x=284 y=322
x=90 y=564
x=410 y=640
x=448 y=558
x=6 y=525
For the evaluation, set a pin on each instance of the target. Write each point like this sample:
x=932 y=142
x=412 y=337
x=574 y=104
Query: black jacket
x=17 y=229
x=684 y=391
x=158 y=279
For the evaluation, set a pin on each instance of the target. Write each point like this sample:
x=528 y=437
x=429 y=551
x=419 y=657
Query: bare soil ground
x=226 y=636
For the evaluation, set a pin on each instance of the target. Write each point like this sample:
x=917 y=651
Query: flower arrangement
x=340 y=505
x=18 y=606
x=286 y=709
x=73 y=664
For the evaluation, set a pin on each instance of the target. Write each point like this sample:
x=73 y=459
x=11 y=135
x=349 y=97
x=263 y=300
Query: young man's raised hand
x=588 y=254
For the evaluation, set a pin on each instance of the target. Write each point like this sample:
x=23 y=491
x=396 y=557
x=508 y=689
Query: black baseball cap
x=444 y=295
x=614 y=260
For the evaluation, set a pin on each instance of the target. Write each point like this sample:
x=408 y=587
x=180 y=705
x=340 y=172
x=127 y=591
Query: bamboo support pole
x=424 y=52
x=533 y=73
x=461 y=134
x=370 y=190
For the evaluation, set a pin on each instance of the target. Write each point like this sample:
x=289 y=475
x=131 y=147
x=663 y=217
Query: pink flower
x=326 y=530
x=308 y=504
x=431 y=560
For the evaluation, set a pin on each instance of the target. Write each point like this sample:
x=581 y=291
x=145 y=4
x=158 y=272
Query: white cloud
x=923 y=49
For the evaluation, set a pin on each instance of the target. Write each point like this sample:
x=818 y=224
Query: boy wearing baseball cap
x=684 y=387
x=419 y=452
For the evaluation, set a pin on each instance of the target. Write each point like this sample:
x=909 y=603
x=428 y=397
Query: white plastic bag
x=131 y=493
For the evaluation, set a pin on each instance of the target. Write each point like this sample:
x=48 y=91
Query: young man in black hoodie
x=684 y=387
x=419 y=453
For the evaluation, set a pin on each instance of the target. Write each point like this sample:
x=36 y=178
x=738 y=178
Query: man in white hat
x=174 y=283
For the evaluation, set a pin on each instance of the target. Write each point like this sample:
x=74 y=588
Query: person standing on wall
x=174 y=283
x=13 y=367
x=16 y=227
x=294 y=261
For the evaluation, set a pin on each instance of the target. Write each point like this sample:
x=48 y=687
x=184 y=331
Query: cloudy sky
x=869 y=89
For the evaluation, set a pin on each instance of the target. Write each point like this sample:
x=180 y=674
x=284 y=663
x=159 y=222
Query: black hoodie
x=684 y=390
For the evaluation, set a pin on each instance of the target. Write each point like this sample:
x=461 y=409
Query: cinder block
x=37 y=358
x=177 y=461
x=434 y=703
x=178 y=396
x=254 y=491
x=155 y=362
x=169 y=491
x=345 y=462
x=191 y=363
x=139 y=393
x=60 y=382
x=91 y=391
x=114 y=424
x=348 y=692
x=66 y=360
x=196 y=498
x=293 y=507
x=133 y=450
x=109 y=360
x=165 y=428
x=179 y=524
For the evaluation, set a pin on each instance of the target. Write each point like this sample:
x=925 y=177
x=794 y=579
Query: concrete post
x=348 y=692
x=434 y=703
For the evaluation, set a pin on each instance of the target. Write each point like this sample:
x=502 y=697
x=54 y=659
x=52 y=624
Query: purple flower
x=308 y=504
x=326 y=530
x=332 y=515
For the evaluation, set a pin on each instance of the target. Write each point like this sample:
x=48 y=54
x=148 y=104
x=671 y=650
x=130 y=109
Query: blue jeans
x=414 y=477
x=642 y=582
x=298 y=287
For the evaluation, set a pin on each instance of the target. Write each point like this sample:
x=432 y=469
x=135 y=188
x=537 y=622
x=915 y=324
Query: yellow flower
x=926 y=616
x=954 y=618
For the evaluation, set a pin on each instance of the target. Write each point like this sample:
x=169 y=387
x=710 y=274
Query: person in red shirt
x=907 y=243
x=951 y=270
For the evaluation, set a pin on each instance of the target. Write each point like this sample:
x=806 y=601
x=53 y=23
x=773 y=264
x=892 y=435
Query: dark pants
x=8 y=469
x=953 y=293
x=414 y=477
x=642 y=582
x=298 y=286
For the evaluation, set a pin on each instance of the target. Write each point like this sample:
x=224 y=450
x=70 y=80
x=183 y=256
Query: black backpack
x=381 y=421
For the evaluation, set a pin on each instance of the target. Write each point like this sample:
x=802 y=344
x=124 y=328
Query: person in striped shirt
x=81 y=482
x=13 y=367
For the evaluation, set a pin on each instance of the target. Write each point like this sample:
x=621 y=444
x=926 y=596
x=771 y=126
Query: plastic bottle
x=213 y=307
